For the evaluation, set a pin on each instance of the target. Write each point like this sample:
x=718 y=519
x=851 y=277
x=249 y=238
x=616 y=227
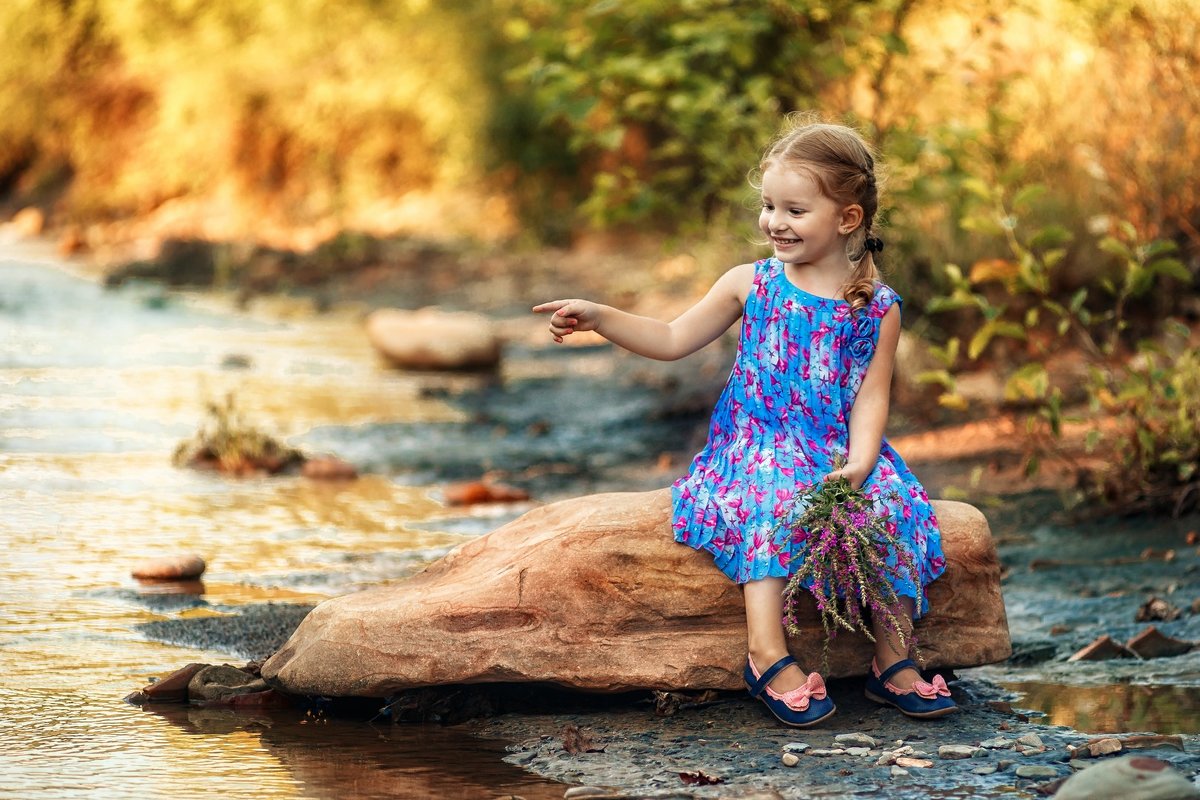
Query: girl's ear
x=852 y=217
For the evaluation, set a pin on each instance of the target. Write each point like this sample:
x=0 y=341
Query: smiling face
x=804 y=225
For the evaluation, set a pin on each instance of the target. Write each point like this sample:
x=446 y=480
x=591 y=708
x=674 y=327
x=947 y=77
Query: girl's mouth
x=782 y=242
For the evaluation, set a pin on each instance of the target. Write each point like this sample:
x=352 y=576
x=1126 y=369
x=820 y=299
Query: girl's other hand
x=569 y=316
x=853 y=472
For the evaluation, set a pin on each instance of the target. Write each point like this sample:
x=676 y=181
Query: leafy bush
x=1155 y=449
x=1147 y=386
x=644 y=110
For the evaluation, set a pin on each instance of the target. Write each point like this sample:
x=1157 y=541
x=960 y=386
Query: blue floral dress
x=780 y=424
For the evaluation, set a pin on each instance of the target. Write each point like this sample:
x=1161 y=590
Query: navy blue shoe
x=801 y=707
x=923 y=701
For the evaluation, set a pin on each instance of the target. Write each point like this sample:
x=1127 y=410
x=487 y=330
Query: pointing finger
x=553 y=305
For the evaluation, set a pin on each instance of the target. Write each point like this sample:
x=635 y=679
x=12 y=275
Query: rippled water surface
x=96 y=390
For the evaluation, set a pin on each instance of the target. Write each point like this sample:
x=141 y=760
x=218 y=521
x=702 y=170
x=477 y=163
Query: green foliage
x=649 y=109
x=1154 y=450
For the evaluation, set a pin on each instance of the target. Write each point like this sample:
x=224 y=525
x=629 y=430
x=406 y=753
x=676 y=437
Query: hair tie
x=874 y=244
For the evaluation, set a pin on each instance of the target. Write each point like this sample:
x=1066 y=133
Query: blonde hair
x=840 y=161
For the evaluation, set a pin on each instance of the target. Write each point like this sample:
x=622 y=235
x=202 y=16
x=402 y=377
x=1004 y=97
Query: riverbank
x=999 y=745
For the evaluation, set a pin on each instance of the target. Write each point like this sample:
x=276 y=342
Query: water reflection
x=355 y=760
x=96 y=389
x=1119 y=708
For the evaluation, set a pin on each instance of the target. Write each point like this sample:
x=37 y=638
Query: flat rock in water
x=220 y=683
x=595 y=594
x=434 y=340
x=176 y=568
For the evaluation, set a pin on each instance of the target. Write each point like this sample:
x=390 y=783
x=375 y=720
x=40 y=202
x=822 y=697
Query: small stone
x=956 y=751
x=1026 y=750
x=905 y=750
x=856 y=739
x=998 y=743
x=1004 y=764
x=1102 y=649
x=790 y=759
x=899 y=772
x=170 y=569
x=886 y=760
x=858 y=752
x=173 y=688
x=467 y=493
x=795 y=747
x=1030 y=740
x=919 y=763
x=985 y=770
x=220 y=684
x=328 y=468
x=584 y=793
x=1036 y=771
x=1157 y=609
x=1095 y=747
x=825 y=752
x=1152 y=643
x=1154 y=740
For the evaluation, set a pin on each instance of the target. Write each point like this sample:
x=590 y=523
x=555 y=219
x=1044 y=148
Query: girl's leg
x=888 y=647
x=764 y=631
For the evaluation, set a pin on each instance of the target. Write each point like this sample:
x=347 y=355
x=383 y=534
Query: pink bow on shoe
x=797 y=699
x=931 y=690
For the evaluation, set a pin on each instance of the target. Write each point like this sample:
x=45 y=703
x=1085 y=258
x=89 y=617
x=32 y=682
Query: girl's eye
x=768 y=207
x=796 y=211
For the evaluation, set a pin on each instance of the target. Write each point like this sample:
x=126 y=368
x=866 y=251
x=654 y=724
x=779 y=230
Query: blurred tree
x=656 y=111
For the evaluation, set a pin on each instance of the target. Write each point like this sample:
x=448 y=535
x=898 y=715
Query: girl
x=808 y=390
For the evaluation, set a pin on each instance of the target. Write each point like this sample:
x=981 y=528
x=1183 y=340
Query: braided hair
x=840 y=161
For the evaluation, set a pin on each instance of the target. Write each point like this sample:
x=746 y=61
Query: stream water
x=97 y=388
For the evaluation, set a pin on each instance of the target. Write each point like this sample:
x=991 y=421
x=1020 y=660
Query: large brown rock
x=594 y=593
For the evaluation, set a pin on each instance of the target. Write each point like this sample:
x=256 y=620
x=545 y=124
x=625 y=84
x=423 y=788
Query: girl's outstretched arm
x=653 y=338
x=869 y=415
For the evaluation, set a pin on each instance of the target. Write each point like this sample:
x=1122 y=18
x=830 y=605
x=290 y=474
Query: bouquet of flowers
x=845 y=544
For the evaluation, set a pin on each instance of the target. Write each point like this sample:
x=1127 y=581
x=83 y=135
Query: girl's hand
x=854 y=472
x=570 y=316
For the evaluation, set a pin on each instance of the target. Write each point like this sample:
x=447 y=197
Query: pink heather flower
x=850 y=560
